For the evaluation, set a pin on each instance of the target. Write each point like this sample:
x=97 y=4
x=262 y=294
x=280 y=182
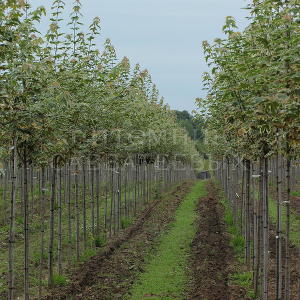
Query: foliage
x=194 y=125
x=126 y=222
x=61 y=98
x=253 y=86
x=100 y=241
x=59 y=280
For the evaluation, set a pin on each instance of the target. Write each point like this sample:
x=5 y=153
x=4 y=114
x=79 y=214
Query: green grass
x=236 y=239
x=245 y=280
x=296 y=193
x=59 y=280
x=166 y=276
x=241 y=278
x=126 y=222
x=87 y=254
x=294 y=218
x=294 y=221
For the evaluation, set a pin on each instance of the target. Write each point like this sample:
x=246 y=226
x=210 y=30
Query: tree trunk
x=98 y=175
x=92 y=195
x=26 y=226
x=106 y=195
x=52 y=213
x=59 y=248
x=279 y=229
x=118 y=200
x=84 y=205
x=4 y=192
x=287 y=295
x=265 y=228
x=77 y=211
x=42 y=220
x=69 y=196
x=247 y=217
x=12 y=225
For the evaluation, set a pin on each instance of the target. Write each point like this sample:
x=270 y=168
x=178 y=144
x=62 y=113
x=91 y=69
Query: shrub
x=125 y=222
x=59 y=280
x=100 y=241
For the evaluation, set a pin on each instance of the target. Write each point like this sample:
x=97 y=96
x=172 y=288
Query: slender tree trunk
x=98 y=175
x=256 y=236
x=69 y=196
x=112 y=203
x=298 y=296
x=106 y=195
x=125 y=191
x=118 y=199
x=77 y=211
x=242 y=204
x=279 y=229
x=135 y=188
x=32 y=187
x=265 y=229
x=92 y=192
x=59 y=248
x=52 y=213
x=12 y=227
x=227 y=179
x=84 y=205
x=42 y=220
x=26 y=226
x=287 y=295
x=261 y=224
x=4 y=192
x=248 y=217
x=145 y=183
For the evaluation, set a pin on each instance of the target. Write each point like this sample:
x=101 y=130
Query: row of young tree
x=85 y=142
x=252 y=112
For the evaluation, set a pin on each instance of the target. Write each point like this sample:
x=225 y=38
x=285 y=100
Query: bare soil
x=110 y=274
x=295 y=204
x=212 y=256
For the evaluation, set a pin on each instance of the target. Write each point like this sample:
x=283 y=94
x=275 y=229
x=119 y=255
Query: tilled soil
x=295 y=204
x=109 y=275
x=212 y=257
x=295 y=200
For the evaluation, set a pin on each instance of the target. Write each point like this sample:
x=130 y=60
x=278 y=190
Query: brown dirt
x=295 y=204
x=295 y=200
x=110 y=274
x=213 y=259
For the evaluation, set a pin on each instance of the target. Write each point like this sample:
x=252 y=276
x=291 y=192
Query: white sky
x=164 y=36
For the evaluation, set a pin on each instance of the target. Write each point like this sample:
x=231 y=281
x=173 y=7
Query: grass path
x=165 y=276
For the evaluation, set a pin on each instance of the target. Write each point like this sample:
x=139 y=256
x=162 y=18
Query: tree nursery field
x=100 y=189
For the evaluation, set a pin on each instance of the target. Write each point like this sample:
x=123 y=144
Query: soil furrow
x=110 y=274
x=212 y=256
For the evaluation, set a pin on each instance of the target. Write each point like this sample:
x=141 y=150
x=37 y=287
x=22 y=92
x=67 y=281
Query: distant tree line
x=194 y=127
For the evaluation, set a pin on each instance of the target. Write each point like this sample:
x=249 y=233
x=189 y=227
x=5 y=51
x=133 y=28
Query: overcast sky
x=165 y=37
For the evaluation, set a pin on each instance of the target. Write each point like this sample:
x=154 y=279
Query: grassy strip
x=242 y=277
x=165 y=276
